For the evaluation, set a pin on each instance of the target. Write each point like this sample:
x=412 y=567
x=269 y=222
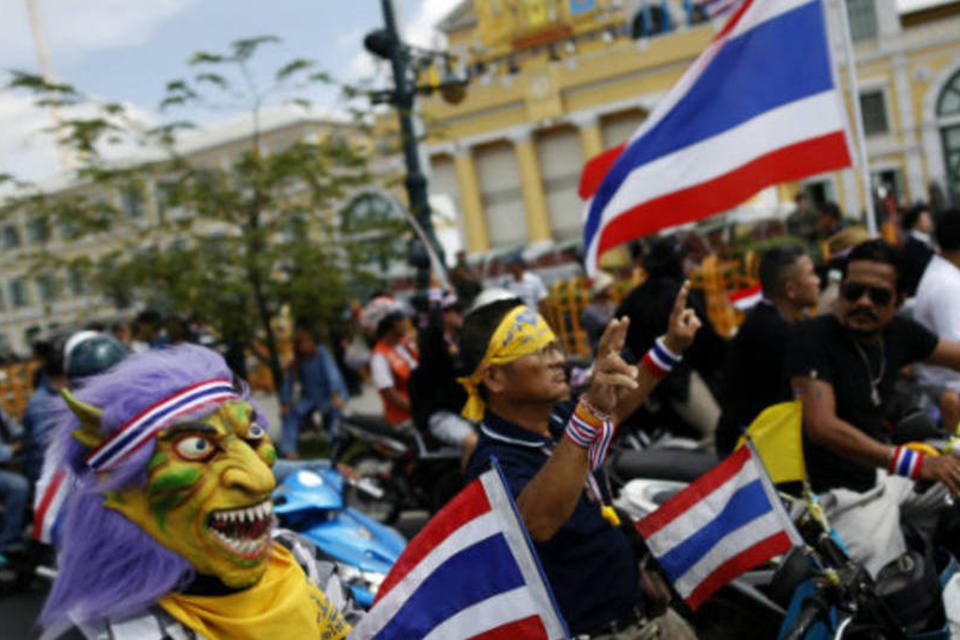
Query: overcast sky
x=126 y=50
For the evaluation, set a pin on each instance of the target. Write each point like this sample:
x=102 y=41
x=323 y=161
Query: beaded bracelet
x=590 y=429
x=905 y=462
x=659 y=360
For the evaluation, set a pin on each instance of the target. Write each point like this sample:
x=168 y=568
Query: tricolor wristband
x=591 y=430
x=659 y=360
x=905 y=462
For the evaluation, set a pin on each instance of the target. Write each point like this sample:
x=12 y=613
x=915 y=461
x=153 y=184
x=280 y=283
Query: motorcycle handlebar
x=813 y=607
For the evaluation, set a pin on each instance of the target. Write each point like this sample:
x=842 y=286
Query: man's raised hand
x=683 y=324
x=612 y=376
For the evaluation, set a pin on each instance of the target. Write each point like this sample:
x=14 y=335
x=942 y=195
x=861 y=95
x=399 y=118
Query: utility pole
x=404 y=60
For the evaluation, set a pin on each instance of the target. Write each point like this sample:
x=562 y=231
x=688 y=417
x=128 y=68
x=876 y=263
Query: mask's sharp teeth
x=251 y=514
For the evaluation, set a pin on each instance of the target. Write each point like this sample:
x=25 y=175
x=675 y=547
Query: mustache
x=863 y=312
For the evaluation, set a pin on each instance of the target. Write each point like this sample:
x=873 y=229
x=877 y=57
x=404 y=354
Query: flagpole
x=857 y=117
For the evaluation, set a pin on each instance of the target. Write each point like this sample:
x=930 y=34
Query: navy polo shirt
x=589 y=563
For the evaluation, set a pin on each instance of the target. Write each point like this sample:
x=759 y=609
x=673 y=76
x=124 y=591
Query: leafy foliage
x=234 y=243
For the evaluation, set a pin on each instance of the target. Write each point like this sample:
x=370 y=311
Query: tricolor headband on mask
x=141 y=428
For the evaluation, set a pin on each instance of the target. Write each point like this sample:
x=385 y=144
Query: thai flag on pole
x=51 y=492
x=746 y=298
x=471 y=573
x=725 y=523
x=759 y=106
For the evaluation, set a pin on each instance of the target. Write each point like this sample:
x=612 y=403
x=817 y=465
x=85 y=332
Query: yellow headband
x=523 y=331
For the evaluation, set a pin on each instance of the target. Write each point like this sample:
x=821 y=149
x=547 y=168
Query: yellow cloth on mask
x=521 y=332
x=776 y=435
x=284 y=604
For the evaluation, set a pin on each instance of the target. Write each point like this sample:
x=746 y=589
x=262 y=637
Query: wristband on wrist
x=588 y=431
x=659 y=360
x=905 y=462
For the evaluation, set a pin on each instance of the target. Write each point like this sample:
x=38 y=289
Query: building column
x=908 y=128
x=534 y=202
x=591 y=141
x=474 y=222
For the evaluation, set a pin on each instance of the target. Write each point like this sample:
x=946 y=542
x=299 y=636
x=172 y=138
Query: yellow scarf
x=523 y=331
x=284 y=604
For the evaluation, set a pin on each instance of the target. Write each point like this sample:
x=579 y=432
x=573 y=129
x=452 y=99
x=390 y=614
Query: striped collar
x=496 y=428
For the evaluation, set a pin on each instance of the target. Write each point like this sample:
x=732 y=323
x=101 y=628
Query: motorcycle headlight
x=369 y=580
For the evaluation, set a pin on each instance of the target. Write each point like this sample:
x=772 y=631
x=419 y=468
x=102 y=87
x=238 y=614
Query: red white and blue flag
x=746 y=298
x=716 y=8
x=727 y=522
x=759 y=106
x=471 y=573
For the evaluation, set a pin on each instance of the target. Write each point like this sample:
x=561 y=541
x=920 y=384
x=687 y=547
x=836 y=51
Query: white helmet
x=491 y=295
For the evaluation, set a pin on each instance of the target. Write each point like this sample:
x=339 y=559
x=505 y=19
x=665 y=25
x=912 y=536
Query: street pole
x=416 y=182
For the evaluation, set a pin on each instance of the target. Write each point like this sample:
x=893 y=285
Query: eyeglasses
x=853 y=291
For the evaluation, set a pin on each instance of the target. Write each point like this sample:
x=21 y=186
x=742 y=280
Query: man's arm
x=549 y=499
x=825 y=429
x=946 y=354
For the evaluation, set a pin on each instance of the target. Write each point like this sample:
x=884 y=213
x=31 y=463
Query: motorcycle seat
x=662 y=464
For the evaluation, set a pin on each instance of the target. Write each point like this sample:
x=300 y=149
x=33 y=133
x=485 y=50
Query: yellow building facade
x=555 y=82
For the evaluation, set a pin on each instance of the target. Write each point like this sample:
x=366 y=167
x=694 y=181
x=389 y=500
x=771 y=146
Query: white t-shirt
x=937 y=308
x=380 y=370
x=529 y=288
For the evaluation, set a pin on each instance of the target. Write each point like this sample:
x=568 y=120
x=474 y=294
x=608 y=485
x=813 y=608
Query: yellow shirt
x=284 y=604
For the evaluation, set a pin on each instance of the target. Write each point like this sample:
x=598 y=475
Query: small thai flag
x=471 y=573
x=747 y=298
x=725 y=523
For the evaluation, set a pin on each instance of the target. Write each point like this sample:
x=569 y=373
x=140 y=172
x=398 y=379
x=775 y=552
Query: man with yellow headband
x=551 y=452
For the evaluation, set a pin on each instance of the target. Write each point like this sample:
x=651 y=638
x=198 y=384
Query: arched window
x=374 y=231
x=948 y=117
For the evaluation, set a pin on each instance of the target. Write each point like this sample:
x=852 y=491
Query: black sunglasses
x=881 y=296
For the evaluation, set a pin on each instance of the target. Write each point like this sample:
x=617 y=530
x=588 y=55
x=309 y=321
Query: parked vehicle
x=411 y=470
x=311 y=503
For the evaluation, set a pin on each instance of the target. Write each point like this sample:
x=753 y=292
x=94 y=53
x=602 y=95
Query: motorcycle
x=410 y=470
x=310 y=501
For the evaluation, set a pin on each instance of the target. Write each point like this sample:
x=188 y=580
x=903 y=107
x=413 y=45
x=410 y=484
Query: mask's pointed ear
x=89 y=416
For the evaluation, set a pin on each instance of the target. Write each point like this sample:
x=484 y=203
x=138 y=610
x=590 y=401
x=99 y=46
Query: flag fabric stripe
x=727 y=521
x=745 y=506
x=531 y=627
x=723 y=81
x=726 y=191
x=484 y=617
x=429 y=604
x=522 y=546
x=777 y=544
x=730 y=545
x=713 y=157
x=745 y=298
x=475 y=574
x=690 y=496
x=478 y=529
x=747 y=99
x=596 y=169
x=53 y=494
x=426 y=542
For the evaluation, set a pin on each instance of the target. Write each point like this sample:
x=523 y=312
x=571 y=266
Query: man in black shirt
x=843 y=368
x=753 y=376
x=688 y=388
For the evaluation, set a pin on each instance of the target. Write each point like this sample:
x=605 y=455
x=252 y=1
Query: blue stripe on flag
x=780 y=61
x=454 y=586
x=747 y=504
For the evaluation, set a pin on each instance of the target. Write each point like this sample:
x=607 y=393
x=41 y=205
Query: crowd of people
x=854 y=340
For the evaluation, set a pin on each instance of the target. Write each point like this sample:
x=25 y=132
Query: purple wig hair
x=108 y=566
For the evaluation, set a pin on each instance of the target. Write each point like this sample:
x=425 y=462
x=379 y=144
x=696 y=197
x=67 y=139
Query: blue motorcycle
x=310 y=502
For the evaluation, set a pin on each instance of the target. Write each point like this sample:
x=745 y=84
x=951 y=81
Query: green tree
x=235 y=243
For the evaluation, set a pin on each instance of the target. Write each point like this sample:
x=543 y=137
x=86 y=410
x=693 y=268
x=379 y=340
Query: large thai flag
x=725 y=523
x=759 y=106
x=471 y=573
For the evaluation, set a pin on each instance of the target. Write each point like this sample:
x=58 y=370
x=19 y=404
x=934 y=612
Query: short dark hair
x=948 y=230
x=388 y=321
x=911 y=215
x=774 y=265
x=878 y=251
x=478 y=327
